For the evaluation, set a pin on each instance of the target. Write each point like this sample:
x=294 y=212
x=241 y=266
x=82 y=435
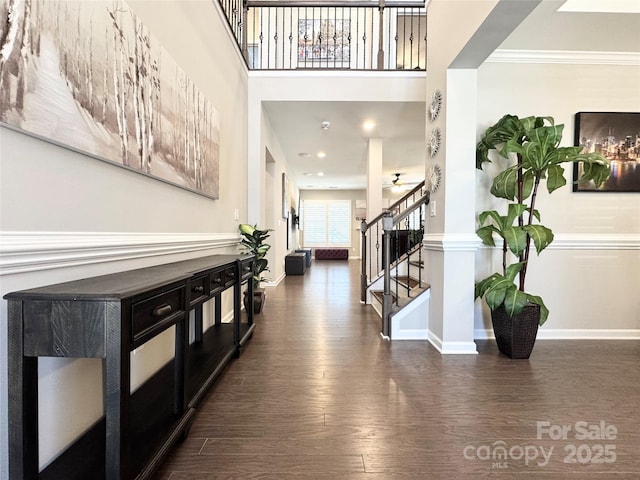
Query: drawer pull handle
x=198 y=289
x=231 y=274
x=161 y=311
x=217 y=280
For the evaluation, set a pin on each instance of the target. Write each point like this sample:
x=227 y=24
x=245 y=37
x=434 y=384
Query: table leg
x=23 y=401
x=117 y=385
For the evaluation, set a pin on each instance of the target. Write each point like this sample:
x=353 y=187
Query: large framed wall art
x=615 y=135
x=324 y=42
x=89 y=76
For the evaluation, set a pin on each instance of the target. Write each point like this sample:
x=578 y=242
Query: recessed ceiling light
x=369 y=125
x=304 y=154
x=321 y=174
x=321 y=155
x=308 y=174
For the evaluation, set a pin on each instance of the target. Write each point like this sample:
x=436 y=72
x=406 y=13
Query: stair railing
x=389 y=241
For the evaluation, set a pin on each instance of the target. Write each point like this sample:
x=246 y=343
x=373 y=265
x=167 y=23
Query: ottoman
x=295 y=264
x=307 y=252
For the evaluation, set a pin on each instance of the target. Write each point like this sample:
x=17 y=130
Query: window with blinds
x=327 y=223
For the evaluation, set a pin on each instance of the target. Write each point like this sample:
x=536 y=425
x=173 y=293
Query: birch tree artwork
x=90 y=76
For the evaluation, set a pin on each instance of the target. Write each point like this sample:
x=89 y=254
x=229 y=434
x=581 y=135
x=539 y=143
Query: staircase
x=392 y=276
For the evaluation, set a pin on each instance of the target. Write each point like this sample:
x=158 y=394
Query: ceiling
x=298 y=125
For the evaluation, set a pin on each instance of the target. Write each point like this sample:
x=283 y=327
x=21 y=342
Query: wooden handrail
x=395 y=204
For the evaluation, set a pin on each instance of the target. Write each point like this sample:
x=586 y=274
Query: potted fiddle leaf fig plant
x=532 y=155
x=253 y=241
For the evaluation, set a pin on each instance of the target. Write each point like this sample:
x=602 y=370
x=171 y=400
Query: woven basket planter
x=516 y=335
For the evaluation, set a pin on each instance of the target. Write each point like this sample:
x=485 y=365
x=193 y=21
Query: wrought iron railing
x=391 y=242
x=355 y=35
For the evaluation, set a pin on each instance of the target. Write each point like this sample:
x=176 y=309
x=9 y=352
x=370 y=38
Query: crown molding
x=568 y=57
x=22 y=252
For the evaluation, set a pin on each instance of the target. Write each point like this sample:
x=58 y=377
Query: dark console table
x=107 y=317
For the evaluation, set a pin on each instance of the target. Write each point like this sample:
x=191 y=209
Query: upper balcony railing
x=354 y=35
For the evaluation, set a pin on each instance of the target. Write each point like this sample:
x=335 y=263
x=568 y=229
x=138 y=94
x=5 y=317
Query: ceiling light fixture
x=398 y=185
x=325 y=125
x=304 y=154
x=369 y=125
x=321 y=155
x=321 y=174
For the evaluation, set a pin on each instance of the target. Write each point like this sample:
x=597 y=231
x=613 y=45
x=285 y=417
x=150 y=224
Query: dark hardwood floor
x=317 y=394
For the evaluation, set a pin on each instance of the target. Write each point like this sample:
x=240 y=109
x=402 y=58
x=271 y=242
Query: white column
x=452 y=252
x=374 y=178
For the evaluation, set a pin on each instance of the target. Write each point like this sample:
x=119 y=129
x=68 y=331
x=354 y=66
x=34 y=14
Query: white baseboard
x=276 y=282
x=572 y=334
x=452 y=348
x=405 y=334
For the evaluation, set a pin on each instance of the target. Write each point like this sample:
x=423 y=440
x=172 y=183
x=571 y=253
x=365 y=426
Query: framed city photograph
x=615 y=135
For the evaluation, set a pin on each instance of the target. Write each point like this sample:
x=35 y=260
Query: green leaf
x=544 y=311
x=536 y=213
x=505 y=184
x=555 y=177
x=486 y=234
x=246 y=229
x=514 y=301
x=596 y=168
x=532 y=156
x=513 y=270
x=492 y=214
x=516 y=239
x=513 y=212
x=495 y=297
x=541 y=236
x=482 y=286
x=528 y=179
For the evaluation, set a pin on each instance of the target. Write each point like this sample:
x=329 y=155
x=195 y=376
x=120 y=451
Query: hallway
x=317 y=394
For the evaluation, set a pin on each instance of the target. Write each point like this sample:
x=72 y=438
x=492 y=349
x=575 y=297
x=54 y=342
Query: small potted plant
x=532 y=149
x=253 y=241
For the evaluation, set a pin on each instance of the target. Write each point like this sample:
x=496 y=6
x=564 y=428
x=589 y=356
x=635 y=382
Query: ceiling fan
x=399 y=186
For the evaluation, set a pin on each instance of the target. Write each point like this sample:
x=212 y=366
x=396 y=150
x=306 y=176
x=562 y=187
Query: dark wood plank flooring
x=317 y=394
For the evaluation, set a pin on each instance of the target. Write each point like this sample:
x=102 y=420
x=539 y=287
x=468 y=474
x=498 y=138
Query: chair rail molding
x=22 y=252
x=589 y=241
x=451 y=242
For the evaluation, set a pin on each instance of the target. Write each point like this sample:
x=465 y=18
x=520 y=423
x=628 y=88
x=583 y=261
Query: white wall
x=63 y=200
x=589 y=276
x=274 y=165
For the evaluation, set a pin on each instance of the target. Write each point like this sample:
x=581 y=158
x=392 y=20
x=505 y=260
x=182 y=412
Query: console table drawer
x=216 y=281
x=153 y=314
x=199 y=290
x=229 y=276
x=246 y=270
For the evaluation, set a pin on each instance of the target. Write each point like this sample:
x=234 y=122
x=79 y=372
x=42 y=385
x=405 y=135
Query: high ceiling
x=298 y=125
